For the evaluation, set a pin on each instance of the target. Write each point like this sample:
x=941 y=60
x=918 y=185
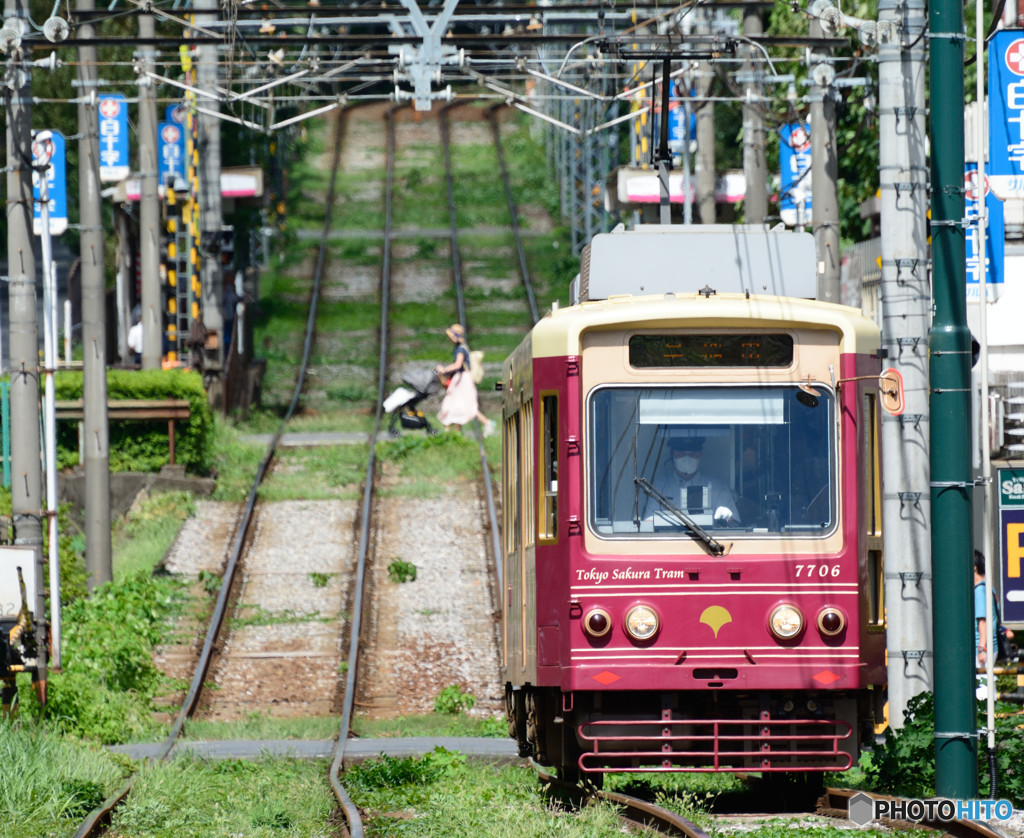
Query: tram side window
x=549 y=468
x=527 y=483
x=511 y=494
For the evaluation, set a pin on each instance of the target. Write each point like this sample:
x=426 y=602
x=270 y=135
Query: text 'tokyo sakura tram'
x=692 y=513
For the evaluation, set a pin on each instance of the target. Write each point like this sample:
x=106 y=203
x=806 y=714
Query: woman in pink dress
x=460 y=404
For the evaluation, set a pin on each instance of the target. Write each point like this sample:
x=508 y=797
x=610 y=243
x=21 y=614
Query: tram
x=692 y=513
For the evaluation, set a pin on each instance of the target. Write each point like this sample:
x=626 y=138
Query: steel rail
x=836 y=803
x=350 y=810
x=100 y=816
x=513 y=211
x=635 y=811
x=460 y=299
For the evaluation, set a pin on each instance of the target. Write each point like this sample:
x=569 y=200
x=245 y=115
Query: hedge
x=141 y=445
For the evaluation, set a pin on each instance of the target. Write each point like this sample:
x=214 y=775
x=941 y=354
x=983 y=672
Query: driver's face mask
x=686 y=463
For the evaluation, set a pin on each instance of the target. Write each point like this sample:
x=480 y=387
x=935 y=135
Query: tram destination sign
x=711 y=350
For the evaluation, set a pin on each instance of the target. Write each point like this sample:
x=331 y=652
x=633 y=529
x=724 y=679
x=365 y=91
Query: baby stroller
x=402 y=404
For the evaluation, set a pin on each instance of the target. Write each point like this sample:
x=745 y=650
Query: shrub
x=105 y=691
x=905 y=764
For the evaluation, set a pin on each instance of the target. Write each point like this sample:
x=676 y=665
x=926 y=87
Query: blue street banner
x=681 y=131
x=50 y=146
x=170 y=152
x=1010 y=483
x=995 y=244
x=795 y=172
x=113 y=123
x=1006 y=113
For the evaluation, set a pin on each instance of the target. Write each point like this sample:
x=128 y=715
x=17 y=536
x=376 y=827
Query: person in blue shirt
x=980 y=621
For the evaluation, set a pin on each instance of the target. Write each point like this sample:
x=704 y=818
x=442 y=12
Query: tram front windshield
x=757 y=461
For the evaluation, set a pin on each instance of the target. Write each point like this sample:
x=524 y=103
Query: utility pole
x=149 y=202
x=210 y=215
x=704 y=162
x=906 y=318
x=956 y=721
x=95 y=423
x=754 y=165
x=26 y=466
x=662 y=156
x=824 y=172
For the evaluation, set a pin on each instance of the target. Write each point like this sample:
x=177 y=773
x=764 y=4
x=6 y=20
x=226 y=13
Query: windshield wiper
x=714 y=547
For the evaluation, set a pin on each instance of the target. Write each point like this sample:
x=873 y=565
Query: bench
x=170 y=409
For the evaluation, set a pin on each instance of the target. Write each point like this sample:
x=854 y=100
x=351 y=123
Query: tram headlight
x=597 y=623
x=786 y=621
x=831 y=621
x=642 y=622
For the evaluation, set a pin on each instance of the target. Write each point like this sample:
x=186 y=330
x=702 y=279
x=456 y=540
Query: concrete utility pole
x=956 y=717
x=149 y=204
x=906 y=318
x=210 y=215
x=754 y=165
x=26 y=466
x=704 y=163
x=824 y=173
x=96 y=431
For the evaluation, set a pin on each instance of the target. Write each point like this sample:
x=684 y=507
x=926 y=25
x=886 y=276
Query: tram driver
x=682 y=481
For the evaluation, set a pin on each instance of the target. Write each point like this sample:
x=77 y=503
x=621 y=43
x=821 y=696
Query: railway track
x=236 y=658
x=834 y=803
x=96 y=821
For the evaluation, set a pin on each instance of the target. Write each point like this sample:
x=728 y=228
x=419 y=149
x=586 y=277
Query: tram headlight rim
x=785 y=631
x=589 y=631
x=641 y=635
x=825 y=611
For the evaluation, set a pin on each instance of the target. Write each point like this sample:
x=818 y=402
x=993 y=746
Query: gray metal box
x=658 y=259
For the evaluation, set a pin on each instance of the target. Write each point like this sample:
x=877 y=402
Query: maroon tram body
x=732 y=625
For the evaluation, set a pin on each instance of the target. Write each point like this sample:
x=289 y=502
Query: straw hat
x=456 y=333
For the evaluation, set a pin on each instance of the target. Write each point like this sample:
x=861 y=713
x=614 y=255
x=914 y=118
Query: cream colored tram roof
x=558 y=333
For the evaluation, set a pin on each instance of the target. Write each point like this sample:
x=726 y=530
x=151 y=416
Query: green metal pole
x=949 y=342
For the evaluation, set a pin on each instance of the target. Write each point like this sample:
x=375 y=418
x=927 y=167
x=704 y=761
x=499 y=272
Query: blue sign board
x=50 y=146
x=1006 y=113
x=1011 y=544
x=170 y=152
x=113 y=124
x=795 y=171
x=995 y=243
x=679 y=135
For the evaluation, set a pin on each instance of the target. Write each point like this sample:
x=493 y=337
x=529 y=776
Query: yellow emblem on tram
x=716 y=617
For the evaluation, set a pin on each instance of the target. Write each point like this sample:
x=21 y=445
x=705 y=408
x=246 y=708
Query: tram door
x=518 y=518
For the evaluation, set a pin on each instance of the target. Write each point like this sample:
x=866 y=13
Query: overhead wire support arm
x=512 y=98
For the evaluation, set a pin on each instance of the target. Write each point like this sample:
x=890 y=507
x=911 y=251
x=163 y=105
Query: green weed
x=453 y=700
x=256 y=615
x=219 y=799
x=210 y=581
x=402 y=571
x=48 y=783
